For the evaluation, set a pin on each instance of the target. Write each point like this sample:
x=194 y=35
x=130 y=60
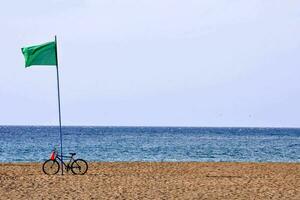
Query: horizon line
x=158 y=126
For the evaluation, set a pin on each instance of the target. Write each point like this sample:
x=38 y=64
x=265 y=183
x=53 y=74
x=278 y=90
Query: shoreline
x=155 y=180
x=200 y=162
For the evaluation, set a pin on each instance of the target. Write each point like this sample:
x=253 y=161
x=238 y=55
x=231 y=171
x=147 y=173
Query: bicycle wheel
x=51 y=167
x=79 y=167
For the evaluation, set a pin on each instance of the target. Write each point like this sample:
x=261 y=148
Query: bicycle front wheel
x=79 y=167
x=51 y=167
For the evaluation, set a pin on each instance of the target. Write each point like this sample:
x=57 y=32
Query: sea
x=151 y=144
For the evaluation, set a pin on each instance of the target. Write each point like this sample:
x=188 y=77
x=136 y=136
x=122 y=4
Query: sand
x=154 y=181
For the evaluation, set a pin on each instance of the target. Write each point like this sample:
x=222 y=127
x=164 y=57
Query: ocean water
x=34 y=143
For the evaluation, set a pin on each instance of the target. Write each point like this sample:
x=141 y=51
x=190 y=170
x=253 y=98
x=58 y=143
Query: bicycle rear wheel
x=51 y=167
x=79 y=167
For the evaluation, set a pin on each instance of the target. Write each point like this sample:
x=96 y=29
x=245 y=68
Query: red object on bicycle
x=52 y=156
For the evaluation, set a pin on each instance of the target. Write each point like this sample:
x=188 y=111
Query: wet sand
x=123 y=180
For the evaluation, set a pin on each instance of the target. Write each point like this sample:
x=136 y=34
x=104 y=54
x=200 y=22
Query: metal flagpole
x=59 y=113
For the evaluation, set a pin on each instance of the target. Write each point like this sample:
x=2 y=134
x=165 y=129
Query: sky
x=224 y=63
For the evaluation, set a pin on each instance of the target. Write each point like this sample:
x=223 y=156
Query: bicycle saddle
x=72 y=154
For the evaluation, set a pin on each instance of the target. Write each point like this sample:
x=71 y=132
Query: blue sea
x=34 y=143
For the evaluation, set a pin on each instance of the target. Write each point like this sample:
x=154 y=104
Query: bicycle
x=52 y=166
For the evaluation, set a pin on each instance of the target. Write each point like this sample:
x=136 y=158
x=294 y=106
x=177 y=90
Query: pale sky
x=153 y=62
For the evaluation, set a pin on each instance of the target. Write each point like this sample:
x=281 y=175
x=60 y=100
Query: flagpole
x=59 y=112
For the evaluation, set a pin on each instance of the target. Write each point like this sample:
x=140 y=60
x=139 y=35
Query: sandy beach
x=154 y=181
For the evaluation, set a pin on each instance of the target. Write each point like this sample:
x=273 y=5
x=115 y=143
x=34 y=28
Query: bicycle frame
x=52 y=166
x=67 y=166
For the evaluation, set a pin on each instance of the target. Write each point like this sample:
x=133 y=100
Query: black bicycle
x=52 y=166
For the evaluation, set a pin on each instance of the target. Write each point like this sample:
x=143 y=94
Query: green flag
x=44 y=54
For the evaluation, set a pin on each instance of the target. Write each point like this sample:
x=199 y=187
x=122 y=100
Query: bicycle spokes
x=79 y=167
